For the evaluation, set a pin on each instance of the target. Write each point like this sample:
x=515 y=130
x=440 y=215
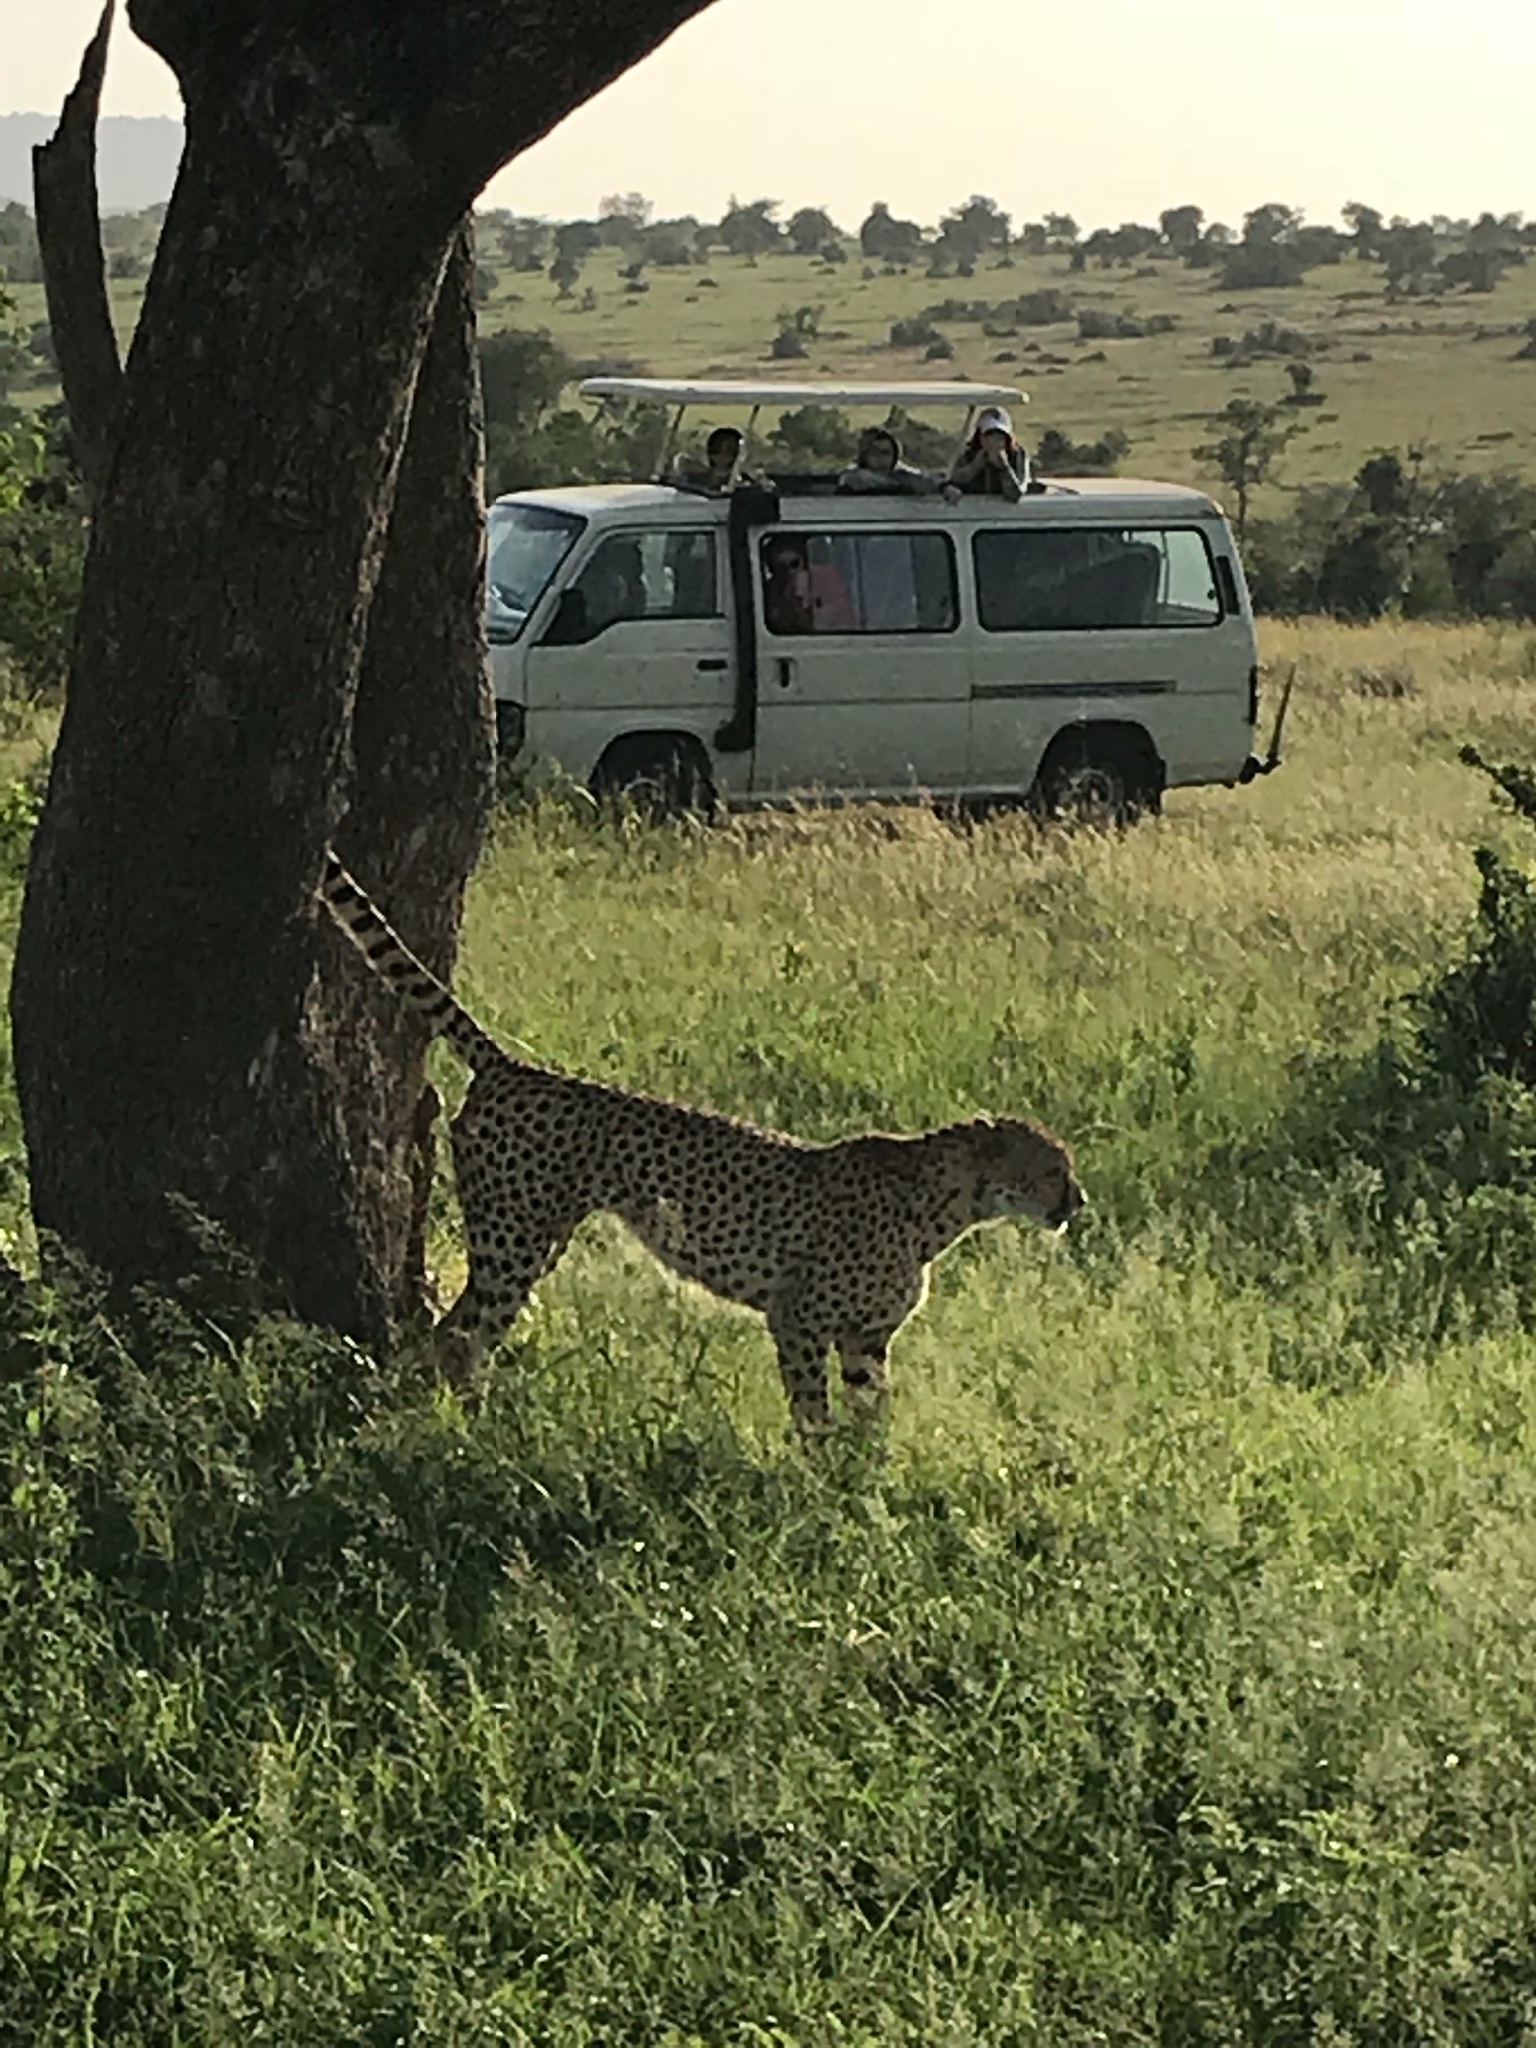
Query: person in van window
x=613 y=585
x=991 y=464
x=878 y=466
x=802 y=596
x=721 y=467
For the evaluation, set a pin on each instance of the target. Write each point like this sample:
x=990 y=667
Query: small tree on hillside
x=574 y=242
x=885 y=239
x=1268 y=255
x=631 y=206
x=1181 y=227
x=1365 y=225
x=1302 y=376
x=1123 y=244
x=1408 y=250
x=810 y=230
x=1269 y=224
x=525 y=244
x=1251 y=437
x=751 y=230
x=972 y=230
x=522 y=375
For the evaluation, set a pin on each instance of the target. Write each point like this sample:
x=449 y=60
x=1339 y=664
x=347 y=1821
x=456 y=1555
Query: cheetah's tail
x=396 y=965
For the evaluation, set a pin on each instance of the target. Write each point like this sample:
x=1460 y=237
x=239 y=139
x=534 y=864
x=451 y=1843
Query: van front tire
x=664 y=776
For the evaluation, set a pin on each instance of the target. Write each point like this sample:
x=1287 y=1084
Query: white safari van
x=1090 y=645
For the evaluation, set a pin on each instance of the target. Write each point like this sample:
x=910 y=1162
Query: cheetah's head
x=1023 y=1171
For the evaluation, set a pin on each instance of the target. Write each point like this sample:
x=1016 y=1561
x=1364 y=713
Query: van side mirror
x=568 y=627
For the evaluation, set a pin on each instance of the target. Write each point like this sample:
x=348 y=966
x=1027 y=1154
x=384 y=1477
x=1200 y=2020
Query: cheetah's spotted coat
x=831 y=1243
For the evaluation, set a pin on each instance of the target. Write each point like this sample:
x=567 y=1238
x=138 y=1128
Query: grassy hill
x=1168 y=1678
x=1437 y=374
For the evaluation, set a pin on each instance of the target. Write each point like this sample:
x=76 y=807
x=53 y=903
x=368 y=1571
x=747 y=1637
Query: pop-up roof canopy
x=741 y=391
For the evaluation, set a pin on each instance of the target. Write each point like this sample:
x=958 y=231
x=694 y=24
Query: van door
x=861 y=688
x=1085 y=624
x=638 y=642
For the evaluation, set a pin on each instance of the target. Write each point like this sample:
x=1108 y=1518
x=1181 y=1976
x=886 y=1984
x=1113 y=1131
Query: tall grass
x=1164 y=1678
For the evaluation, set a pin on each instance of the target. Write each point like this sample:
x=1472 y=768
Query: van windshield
x=525 y=546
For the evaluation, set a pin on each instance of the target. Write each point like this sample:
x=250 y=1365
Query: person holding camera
x=991 y=464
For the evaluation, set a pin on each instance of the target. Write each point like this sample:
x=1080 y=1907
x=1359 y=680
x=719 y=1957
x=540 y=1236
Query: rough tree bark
x=172 y=1033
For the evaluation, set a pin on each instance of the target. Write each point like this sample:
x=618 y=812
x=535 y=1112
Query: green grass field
x=1166 y=1678
x=1434 y=374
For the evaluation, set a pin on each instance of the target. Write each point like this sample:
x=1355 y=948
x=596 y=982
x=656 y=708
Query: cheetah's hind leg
x=501 y=1278
x=512 y=1237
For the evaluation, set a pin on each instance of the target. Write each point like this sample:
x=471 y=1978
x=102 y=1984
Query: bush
x=1093 y=325
x=1510 y=588
x=1059 y=455
x=813 y=437
x=1262 y=267
x=977 y=310
x=1437 y=547
x=1420 y=1148
x=1048 y=308
x=530 y=439
x=42 y=551
x=913 y=333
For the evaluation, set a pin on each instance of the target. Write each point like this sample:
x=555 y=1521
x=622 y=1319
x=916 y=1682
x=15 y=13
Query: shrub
x=913 y=333
x=962 y=309
x=813 y=436
x=1093 y=325
x=1419 y=1148
x=1059 y=455
x=42 y=551
x=1262 y=267
x=1048 y=308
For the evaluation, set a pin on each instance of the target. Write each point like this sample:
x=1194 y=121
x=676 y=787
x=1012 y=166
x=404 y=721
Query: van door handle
x=711 y=664
x=786 y=671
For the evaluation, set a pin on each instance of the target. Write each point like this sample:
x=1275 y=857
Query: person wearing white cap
x=991 y=463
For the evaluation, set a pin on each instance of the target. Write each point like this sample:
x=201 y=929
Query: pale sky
x=1109 y=110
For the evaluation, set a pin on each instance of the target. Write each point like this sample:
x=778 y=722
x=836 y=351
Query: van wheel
x=661 y=777
x=1099 y=786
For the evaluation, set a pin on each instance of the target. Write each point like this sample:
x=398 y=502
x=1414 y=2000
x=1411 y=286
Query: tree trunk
x=172 y=1034
x=423 y=749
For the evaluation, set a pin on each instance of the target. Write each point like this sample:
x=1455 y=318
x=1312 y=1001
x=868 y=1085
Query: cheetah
x=830 y=1243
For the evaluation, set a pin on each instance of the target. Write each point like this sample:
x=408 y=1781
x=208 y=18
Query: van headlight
x=511 y=727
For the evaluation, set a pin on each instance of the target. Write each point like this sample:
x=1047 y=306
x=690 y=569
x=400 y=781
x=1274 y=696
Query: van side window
x=657 y=573
x=1071 y=579
x=858 y=583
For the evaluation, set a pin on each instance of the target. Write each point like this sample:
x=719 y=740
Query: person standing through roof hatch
x=991 y=464
x=878 y=466
x=721 y=467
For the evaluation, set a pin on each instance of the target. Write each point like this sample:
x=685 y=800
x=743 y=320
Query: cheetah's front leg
x=866 y=1376
x=803 y=1366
